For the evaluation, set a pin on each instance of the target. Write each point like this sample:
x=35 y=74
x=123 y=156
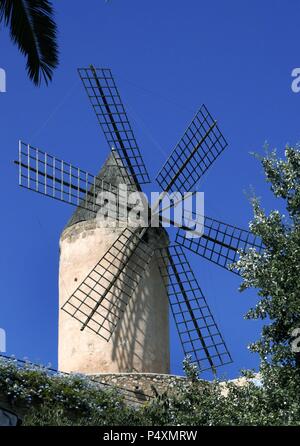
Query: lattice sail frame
x=198 y=331
x=112 y=117
x=220 y=242
x=48 y=175
x=101 y=299
x=199 y=147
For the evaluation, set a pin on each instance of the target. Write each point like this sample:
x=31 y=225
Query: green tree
x=33 y=30
x=275 y=273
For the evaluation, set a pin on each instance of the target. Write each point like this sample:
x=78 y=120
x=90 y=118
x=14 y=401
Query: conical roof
x=114 y=172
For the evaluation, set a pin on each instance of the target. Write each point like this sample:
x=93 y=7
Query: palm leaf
x=33 y=30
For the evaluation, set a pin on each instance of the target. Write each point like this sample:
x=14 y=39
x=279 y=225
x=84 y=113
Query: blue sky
x=168 y=57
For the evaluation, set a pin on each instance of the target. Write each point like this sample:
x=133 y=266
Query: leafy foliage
x=33 y=30
x=58 y=398
x=276 y=272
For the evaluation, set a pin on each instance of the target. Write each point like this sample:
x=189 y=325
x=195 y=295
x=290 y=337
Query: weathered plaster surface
x=140 y=342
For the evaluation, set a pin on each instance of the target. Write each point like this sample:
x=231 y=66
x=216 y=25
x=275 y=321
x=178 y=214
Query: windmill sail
x=47 y=175
x=199 y=147
x=101 y=299
x=112 y=117
x=220 y=242
x=198 y=331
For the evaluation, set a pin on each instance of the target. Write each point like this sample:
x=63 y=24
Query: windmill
x=125 y=277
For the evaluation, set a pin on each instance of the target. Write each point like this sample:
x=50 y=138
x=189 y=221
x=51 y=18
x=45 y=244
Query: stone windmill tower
x=140 y=342
x=117 y=283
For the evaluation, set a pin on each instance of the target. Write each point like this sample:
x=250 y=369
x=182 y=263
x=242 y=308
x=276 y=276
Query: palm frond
x=33 y=30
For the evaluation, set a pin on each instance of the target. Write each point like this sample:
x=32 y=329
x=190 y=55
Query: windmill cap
x=114 y=172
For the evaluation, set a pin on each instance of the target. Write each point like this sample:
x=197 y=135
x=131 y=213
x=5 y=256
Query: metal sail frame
x=197 y=329
x=220 y=242
x=112 y=117
x=101 y=298
x=48 y=175
x=199 y=147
